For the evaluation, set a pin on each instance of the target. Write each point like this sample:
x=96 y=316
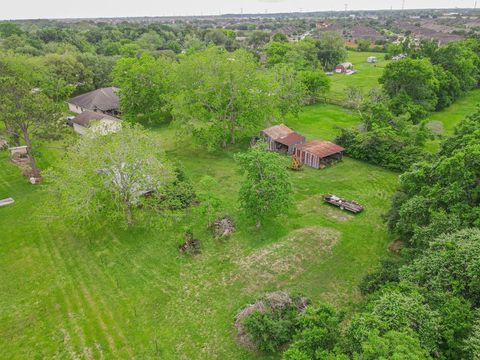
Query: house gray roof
x=105 y=99
x=84 y=118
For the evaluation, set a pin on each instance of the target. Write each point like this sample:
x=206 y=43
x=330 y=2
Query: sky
x=37 y=9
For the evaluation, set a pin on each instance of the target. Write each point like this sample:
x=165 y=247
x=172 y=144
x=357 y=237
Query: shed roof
x=84 y=118
x=277 y=131
x=104 y=99
x=346 y=64
x=291 y=139
x=320 y=148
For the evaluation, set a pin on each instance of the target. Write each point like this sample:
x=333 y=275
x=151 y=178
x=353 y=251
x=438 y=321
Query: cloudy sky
x=34 y=9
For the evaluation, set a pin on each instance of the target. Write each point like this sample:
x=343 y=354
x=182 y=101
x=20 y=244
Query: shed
x=318 y=153
x=289 y=142
x=371 y=59
x=343 y=67
x=282 y=138
x=19 y=151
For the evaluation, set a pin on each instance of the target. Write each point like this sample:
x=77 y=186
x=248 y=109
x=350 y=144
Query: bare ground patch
x=317 y=205
x=284 y=258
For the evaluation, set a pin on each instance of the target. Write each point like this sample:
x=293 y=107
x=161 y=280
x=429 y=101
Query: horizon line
x=233 y=14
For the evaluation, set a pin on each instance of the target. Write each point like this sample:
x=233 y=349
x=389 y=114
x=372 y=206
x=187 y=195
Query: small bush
x=271 y=322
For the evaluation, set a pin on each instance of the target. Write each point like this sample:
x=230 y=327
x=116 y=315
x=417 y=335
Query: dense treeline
x=421 y=305
x=431 y=79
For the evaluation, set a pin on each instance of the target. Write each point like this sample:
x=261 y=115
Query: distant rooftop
x=105 y=99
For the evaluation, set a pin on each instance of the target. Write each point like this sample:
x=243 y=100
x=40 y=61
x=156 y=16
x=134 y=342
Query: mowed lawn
x=365 y=79
x=114 y=294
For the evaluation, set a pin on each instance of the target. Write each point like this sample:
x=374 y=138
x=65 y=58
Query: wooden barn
x=281 y=138
x=318 y=153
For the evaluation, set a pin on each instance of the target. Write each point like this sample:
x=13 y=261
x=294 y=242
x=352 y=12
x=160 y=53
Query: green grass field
x=113 y=293
x=365 y=79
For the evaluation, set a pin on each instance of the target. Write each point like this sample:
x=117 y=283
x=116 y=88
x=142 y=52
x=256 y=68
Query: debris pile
x=224 y=226
x=191 y=245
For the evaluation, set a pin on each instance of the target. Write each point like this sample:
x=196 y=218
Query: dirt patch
x=435 y=127
x=396 y=246
x=286 y=257
x=317 y=205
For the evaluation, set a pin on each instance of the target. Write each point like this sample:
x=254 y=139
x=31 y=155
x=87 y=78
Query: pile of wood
x=191 y=245
x=224 y=226
x=6 y=201
x=343 y=204
x=296 y=164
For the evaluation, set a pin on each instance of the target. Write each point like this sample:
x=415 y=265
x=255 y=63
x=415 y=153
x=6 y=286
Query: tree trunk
x=128 y=215
x=31 y=158
x=232 y=130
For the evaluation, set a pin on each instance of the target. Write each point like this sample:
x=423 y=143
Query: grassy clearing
x=323 y=121
x=113 y=293
x=447 y=119
x=365 y=79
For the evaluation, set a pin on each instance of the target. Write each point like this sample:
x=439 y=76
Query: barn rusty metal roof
x=320 y=148
x=105 y=99
x=277 y=131
x=291 y=139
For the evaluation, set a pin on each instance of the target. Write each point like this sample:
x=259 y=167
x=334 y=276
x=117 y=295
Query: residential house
x=105 y=101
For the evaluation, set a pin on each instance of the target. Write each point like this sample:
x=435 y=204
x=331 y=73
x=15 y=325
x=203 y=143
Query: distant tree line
x=431 y=78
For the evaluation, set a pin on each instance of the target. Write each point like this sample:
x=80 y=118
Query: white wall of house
x=75 y=108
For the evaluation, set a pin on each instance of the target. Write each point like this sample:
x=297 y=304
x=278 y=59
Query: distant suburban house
x=371 y=59
x=343 y=67
x=96 y=122
x=103 y=100
x=282 y=138
x=318 y=153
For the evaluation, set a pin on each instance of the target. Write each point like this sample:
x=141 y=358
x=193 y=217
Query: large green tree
x=267 y=190
x=110 y=175
x=461 y=61
x=222 y=96
x=412 y=87
x=27 y=111
x=331 y=50
x=145 y=85
x=443 y=194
